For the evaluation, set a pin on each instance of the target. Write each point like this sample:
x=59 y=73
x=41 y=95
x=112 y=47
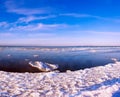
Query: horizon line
x=63 y=45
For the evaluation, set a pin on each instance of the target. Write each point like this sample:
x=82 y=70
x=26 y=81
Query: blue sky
x=60 y=22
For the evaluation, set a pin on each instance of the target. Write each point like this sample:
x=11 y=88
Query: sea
x=17 y=58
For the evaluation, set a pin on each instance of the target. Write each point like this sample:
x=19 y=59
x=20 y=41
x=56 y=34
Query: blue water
x=16 y=59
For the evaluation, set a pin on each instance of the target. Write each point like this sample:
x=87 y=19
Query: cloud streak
x=12 y=7
x=25 y=11
x=38 y=27
x=76 y=15
x=33 y=18
x=4 y=24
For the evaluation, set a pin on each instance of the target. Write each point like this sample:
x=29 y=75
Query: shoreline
x=103 y=81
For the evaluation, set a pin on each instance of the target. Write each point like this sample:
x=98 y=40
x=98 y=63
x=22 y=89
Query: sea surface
x=17 y=58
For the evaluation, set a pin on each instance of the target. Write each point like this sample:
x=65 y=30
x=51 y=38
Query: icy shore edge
x=102 y=81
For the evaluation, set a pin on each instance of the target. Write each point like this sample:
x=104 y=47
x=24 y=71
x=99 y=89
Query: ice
x=102 y=81
x=43 y=66
x=35 y=55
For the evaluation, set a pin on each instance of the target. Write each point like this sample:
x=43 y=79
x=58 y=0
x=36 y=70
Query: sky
x=60 y=22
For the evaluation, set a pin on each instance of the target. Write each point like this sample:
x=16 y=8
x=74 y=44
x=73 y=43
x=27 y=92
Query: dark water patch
x=16 y=66
x=16 y=59
x=116 y=94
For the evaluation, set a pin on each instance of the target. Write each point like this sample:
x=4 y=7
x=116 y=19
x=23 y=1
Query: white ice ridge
x=102 y=81
x=43 y=67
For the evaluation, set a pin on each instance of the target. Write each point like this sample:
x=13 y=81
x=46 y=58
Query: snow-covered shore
x=102 y=81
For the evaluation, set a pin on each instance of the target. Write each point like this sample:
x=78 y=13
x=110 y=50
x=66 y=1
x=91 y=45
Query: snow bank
x=102 y=81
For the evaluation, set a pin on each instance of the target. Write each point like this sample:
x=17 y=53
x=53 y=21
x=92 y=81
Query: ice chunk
x=44 y=67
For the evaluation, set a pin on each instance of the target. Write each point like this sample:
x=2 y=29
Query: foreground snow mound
x=102 y=81
x=43 y=67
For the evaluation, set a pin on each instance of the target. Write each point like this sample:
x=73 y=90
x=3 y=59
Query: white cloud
x=76 y=15
x=80 y=15
x=4 y=24
x=33 y=18
x=39 y=26
x=26 y=11
x=14 y=8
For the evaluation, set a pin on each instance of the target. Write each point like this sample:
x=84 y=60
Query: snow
x=102 y=81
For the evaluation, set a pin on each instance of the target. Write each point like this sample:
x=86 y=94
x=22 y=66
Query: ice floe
x=44 y=67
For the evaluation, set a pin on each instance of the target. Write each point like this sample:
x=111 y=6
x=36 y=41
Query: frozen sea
x=100 y=77
x=17 y=58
